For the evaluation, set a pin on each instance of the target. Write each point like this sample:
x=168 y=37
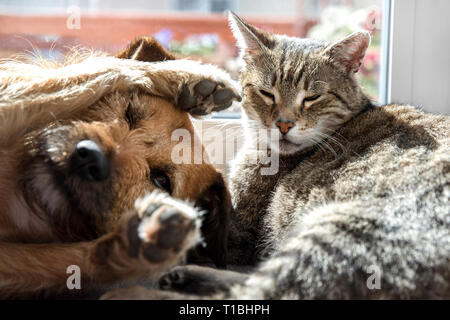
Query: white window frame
x=401 y=50
x=384 y=82
x=418 y=63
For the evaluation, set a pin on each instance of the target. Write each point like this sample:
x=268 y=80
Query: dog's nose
x=89 y=161
x=284 y=125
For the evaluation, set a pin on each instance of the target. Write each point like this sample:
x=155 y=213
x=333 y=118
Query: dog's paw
x=162 y=231
x=200 y=280
x=158 y=233
x=175 y=279
x=210 y=90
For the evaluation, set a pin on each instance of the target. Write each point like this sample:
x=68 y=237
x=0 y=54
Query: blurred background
x=194 y=28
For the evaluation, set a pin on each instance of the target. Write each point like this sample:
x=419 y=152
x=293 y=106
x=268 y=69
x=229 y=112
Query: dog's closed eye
x=161 y=180
x=132 y=116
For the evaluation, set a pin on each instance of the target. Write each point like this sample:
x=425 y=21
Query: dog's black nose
x=89 y=161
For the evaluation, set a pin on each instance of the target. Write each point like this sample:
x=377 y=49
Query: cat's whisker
x=328 y=138
x=318 y=144
x=333 y=139
x=328 y=146
x=337 y=134
x=334 y=132
x=323 y=145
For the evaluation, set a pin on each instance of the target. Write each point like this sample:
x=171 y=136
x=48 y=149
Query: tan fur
x=51 y=219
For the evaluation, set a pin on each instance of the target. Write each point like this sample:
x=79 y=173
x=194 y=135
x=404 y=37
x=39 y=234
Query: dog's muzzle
x=89 y=162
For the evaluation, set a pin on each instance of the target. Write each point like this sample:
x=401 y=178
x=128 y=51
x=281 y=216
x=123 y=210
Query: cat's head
x=303 y=88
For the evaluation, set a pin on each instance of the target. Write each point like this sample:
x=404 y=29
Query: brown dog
x=80 y=142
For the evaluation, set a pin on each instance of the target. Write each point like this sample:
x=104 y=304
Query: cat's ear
x=349 y=52
x=251 y=41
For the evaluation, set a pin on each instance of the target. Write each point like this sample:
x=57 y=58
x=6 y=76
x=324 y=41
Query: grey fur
x=374 y=193
x=385 y=202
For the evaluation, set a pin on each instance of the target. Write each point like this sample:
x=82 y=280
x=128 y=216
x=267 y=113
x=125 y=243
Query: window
x=204 y=5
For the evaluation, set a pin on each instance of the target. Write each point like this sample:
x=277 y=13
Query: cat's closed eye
x=267 y=94
x=312 y=98
x=307 y=101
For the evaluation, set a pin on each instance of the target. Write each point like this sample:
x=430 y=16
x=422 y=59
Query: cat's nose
x=284 y=125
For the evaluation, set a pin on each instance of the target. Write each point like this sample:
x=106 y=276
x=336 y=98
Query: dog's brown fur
x=51 y=219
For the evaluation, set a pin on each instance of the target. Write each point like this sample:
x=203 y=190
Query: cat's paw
x=157 y=233
x=208 y=90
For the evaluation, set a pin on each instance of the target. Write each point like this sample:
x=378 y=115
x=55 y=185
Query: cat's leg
x=193 y=279
x=250 y=208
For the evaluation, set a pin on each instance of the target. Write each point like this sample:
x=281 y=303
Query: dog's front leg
x=192 y=86
x=151 y=238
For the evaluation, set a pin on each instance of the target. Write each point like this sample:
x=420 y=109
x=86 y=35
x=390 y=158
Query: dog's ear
x=145 y=49
x=215 y=202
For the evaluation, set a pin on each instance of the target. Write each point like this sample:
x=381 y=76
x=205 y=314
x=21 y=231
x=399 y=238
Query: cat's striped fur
x=301 y=82
x=358 y=185
x=306 y=83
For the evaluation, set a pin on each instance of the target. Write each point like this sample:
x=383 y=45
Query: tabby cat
x=360 y=205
